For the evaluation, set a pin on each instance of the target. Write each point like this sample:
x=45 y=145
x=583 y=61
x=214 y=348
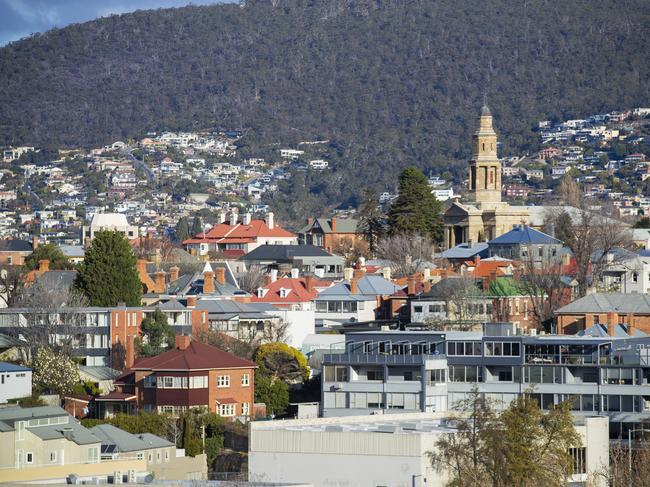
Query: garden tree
x=416 y=211
x=154 y=249
x=118 y=356
x=196 y=422
x=619 y=472
x=51 y=312
x=50 y=252
x=568 y=192
x=251 y=279
x=197 y=226
x=406 y=253
x=182 y=229
x=282 y=362
x=592 y=237
x=226 y=343
x=271 y=391
x=12 y=284
x=54 y=371
x=463 y=297
x=163 y=425
x=372 y=220
x=108 y=276
x=351 y=250
x=156 y=335
x=522 y=446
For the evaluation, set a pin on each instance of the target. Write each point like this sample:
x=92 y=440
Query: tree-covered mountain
x=389 y=83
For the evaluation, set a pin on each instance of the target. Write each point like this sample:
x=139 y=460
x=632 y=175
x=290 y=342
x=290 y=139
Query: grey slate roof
x=523 y=235
x=73 y=430
x=125 y=441
x=57 y=279
x=15 y=245
x=369 y=287
x=99 y=373
x=343 y=225
x=600 y=330
x=285 y=252
x=609 y=302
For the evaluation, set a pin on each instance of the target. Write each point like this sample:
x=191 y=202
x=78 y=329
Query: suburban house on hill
x=193 y=374
x=237 y=236
x=328 y=232
x=308 y=259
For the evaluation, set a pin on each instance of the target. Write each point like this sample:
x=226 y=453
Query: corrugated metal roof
x=609 y=302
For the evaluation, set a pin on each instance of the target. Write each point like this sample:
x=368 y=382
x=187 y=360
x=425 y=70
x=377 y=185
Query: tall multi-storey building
x=393 y=371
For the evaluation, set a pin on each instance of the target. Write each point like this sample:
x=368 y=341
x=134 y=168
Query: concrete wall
x=12 y=385
x=301 y=324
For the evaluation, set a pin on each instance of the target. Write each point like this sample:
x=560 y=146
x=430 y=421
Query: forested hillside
x=390 y=83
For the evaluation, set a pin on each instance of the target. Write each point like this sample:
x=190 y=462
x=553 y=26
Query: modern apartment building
x=395 y=371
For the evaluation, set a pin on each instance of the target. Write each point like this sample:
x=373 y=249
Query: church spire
x=484 y=167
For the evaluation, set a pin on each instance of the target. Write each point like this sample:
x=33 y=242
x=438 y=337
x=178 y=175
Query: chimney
x=274 y=275
x=222 y=217
x=247 y=219
x=173 y=273
x=221 y=275
x=269 y=220
x=333 y=224
x=182 y=341
x=410 y=285
x=233 y=218
x=267 y=280
x=141 y=266
x=630 y=324
x=358 y=273
x=295 y=273
x=486 y=284
x=386 y=272
x=159 y=281
x=477 y=260
x=427 y=286
x=191 y=301
x=43 y=265
x=354 y=285
x=208 y=282
x=310 y=221
x=309 y=283
x=612 y=319
x=347 y=273
x=35 y=242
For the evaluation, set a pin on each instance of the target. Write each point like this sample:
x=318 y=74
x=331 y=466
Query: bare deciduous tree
x=464 y=301
x=252 y=279
x=406 y=253
x=12 y=284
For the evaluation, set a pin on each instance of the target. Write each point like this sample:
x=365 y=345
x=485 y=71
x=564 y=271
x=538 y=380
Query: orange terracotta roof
x=297 y=291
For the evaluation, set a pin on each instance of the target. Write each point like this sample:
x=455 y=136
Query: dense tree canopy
x=389 y=84
x=50 y=252
x=108 y=276
x=416 y=211
x=156 y=335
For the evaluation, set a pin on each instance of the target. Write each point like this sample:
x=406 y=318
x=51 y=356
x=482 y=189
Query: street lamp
x=629 y=450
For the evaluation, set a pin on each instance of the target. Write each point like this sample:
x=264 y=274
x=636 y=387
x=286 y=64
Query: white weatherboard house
x=15 y=382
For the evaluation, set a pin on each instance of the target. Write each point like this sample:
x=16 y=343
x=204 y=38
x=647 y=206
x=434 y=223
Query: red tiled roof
x=116 y=396
x=231 y=233
x=297 y=291
x=197 y=356
x=226 y=400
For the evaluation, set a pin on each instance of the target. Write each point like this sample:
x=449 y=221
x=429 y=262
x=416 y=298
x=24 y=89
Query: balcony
x=378 y=359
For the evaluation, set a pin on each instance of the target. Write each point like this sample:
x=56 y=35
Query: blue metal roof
x=7 y=367
x=524 y=235
x=466 y=251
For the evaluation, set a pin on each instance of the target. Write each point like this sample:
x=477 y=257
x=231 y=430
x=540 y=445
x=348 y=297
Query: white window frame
x=246 y=380
x=53 y=456
x=29 y=457
x=245 y=409
x=223 y=381
x=227 y=410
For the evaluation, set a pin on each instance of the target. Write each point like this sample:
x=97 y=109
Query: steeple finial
x=485 y=111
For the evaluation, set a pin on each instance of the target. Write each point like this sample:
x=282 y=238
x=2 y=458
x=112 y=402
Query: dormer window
x=261 y=292
x=284 y=292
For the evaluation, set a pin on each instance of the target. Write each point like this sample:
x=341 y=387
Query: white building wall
x=14 y=385
x=301 y=324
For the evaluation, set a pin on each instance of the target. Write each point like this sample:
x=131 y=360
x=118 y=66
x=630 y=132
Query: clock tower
x=484 y=167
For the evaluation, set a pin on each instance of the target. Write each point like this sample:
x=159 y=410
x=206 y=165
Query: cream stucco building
x=485 y=216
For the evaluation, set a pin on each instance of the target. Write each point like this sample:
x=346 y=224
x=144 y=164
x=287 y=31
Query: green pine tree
x=197 y=226
x=156 y=335
x=416 y=210
x=182 y=229
x=108 y=276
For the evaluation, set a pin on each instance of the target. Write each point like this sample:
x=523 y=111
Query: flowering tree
x=54 y=371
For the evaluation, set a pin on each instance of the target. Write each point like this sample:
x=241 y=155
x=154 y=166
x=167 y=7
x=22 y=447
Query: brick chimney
x=43 y=265
x=174 y=273
x=411 y=281
x=35 y=242
x=354 y=285
x=309 y=283
x=182 y=342
x=427 y=286
x=160 y=281
x=208 y=282
x=310 y=221
x=358 y=273
x=612 y=319
x=267 y=280
x=221 y=275
x=333 y=224
x=141 y=266
x=630 y=324
x=191 y=301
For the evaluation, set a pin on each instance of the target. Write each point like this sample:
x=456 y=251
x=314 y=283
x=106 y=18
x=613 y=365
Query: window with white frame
x=245 y=409
x=199 y=382
x=53 y=456
x=245 y=379
x=29 y=457
x=223 y=381
x=93 y=454
x=226 y=409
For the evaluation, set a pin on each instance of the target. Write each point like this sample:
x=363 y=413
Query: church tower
x=484 y=167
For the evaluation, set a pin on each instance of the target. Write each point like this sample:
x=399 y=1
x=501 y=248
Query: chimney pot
x=191 y=301
x=221 y=275
x=174 y=273
x=141 y=266
x=35 y=242
x=269 y=220
x=267 y=280
x=274 y=275
x=309 y=283
x=182 y=341
x=208 y=282
x=43 y=265
x=333 y=224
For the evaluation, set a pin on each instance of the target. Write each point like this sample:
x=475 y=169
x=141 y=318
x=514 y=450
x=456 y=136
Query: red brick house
x=193 y=374
x=328 y=232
